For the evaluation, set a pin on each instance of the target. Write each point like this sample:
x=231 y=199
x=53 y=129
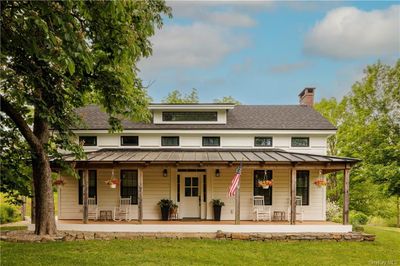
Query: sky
x=267 y=52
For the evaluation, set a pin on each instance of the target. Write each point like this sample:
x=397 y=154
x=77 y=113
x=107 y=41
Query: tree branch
x=21 y=124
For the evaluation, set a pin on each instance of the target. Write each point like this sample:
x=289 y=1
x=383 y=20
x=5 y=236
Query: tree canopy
x=57 y=54
x=368 y=121
x=177 y=96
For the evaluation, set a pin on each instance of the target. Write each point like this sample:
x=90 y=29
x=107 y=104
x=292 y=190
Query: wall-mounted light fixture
x=165 y=172
x=217 y=173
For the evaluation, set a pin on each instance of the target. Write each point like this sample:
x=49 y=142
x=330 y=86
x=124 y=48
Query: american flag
x=235 y=181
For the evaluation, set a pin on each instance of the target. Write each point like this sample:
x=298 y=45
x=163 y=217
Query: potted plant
x=265 y=184
x=165 y=205
x=217 y=205
x=59 y=182
x=320 y=182
x=173 y=211
x=113 y=182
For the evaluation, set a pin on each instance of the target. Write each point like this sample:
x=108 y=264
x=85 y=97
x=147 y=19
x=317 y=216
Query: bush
x=333 y=212
x=8 y=214
x=358 y=218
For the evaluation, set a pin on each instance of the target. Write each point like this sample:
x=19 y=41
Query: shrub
x=333 y=212
x=8 y=214
x=358 y=218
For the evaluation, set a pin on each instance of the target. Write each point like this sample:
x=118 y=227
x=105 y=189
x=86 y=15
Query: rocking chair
x=122 y=212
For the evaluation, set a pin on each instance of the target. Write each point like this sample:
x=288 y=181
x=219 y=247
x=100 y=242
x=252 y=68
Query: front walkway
x=203 y=227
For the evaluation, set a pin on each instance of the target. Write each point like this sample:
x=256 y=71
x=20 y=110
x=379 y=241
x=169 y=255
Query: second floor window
x=129 y=140
x=263 y=141
x=300 y=142
x=88 y=140
x=211 y=141
x=169 y=141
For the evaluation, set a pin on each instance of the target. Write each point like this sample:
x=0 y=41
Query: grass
x=13 y=228
x=384 y=251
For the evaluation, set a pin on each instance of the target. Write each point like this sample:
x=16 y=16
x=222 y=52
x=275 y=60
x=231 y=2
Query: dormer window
x=189 y=116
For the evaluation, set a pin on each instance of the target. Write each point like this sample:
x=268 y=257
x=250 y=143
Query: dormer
x=197 y=113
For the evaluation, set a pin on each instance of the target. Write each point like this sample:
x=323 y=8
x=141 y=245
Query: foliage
x=385 y=249
x=368 y=121
x=8 y=214
x=165 y=203
x=55 y=56
x=227 y=99
x=358 y=218
x=15 y=160
x=217 y=203
x=13 y=228
x=176 y=96
x=333 y=211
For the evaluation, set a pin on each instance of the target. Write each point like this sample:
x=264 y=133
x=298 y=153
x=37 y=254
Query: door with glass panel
x=190 y=196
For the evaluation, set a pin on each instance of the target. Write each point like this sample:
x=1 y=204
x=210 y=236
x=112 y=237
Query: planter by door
x=164 y=213
x=217 y=213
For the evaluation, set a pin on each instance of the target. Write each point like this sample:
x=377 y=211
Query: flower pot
x=164 y=213
x=265 y=187
x=113 y=186
x=217 y=213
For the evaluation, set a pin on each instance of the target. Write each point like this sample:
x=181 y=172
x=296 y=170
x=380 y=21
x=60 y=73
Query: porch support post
x=237 y=204
x=293 y=196
x=140 y=195
x=346 y=198
x=85 y=188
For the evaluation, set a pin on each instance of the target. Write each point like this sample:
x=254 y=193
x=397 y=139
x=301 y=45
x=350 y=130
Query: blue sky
x=267 y=52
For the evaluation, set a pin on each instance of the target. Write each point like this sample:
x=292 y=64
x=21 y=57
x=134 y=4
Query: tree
x=176 y=96
x=368 y=121
x=56 y=54
x=227 y=99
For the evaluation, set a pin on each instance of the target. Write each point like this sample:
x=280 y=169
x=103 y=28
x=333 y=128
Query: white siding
x=156 y=187
x=194 y=140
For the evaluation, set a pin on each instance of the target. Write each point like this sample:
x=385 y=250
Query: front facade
x=190 y=152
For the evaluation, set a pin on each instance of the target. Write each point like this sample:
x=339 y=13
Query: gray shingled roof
x=257 y=117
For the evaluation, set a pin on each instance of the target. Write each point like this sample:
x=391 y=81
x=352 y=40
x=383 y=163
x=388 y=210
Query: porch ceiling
x=207 y=155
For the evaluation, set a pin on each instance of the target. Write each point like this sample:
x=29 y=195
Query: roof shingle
x=242 y=117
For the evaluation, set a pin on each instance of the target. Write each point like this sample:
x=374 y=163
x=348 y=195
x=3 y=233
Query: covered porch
x=163 y=174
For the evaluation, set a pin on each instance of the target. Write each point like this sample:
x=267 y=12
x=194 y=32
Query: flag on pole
x=235 y=181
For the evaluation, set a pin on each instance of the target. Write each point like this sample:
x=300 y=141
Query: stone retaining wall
x=28 y=236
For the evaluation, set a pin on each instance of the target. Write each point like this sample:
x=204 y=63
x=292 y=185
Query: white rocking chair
x=122 y=212
x=260 y=211
x=93 y=210
x=299 y=209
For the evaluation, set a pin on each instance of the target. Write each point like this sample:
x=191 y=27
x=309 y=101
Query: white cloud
x=348 y=32
x=195 y=45
x=291 y=67
x=230 y=19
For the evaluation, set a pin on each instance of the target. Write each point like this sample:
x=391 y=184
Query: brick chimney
x=306 y=97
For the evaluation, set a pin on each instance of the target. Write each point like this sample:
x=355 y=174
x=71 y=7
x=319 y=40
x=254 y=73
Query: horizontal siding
x=156 y=187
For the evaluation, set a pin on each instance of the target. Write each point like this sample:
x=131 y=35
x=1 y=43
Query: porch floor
x=202 y=226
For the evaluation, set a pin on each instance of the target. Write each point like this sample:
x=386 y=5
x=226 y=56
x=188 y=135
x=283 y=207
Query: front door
x=190 y=199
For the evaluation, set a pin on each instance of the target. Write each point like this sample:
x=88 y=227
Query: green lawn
x=384 y=251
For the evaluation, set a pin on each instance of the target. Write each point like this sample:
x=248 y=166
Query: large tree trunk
x=43 y=185
x=44 y=201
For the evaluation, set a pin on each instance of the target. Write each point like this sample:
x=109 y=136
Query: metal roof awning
x=207 y=155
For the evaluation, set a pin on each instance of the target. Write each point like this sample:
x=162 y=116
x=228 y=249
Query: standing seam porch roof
x=206 y=155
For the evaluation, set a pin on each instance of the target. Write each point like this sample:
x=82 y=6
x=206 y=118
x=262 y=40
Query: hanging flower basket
x=320 y=182
x=265 y=184
x=112 y=182
x=59 y=182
